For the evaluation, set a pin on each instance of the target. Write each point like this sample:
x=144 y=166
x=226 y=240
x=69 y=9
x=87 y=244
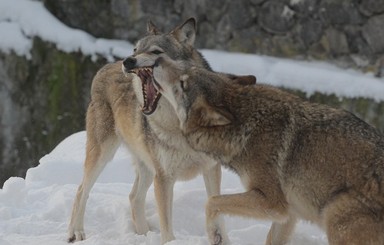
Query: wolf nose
x=129 y=63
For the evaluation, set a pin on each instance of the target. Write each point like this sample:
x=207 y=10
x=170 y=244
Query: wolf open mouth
x=151 y=95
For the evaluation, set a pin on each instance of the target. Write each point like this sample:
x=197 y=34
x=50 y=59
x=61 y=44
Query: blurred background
x=44 y=96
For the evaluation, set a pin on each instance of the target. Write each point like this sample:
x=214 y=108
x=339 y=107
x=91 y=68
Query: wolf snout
x=129 y=63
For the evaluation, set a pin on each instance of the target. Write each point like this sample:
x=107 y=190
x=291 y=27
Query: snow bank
x=25 y=19
x=36 y=210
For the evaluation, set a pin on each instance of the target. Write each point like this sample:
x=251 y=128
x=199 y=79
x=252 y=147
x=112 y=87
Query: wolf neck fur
x=256 y=110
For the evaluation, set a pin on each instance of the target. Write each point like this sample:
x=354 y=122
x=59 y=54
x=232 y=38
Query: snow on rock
x=22 y=19
x=309 y=77
x=30 y=18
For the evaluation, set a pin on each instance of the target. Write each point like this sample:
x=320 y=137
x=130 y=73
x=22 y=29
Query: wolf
x=296 y=159
x=122 y=111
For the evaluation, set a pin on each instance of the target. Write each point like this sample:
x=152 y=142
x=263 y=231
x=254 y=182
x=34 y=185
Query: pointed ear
x=212 y=117
x=186 y=32
x=244 y=80
x=152 y=29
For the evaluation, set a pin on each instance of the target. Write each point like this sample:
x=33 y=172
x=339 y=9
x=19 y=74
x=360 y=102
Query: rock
x=43 y=100
x=309 y=30
x=369 y=7
x=247 y=40
x=373 y=33
x=340 y=12
x=241 y=15
x=276 y=17
x=92 y=16
x=257 y=2
x=307 y=8
x=337 y=42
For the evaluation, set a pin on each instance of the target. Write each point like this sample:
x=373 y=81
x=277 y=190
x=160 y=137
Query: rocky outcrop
x=349 y=32
x=43 y=100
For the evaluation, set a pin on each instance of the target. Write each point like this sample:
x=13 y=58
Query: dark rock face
x=345 y=32
x=370 y=7
x=91 y=16
x=43 y=100
x=340 y=12
x=276 y=17
x=373 y=32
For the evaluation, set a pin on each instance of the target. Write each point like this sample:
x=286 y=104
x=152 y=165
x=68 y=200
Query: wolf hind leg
x=143 y=180
x=280 y=233
x=348 y=221
x=96 y=159
x=102 y=144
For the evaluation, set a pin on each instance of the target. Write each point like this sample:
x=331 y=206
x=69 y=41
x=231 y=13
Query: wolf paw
x=217 y=240
x=76 y=236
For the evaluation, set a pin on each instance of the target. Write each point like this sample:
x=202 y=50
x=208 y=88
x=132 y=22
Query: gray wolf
x=296 y=159
x=122 y=110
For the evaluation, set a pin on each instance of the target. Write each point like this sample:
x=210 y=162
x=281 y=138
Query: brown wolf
x=296 y=159
x=116 y=115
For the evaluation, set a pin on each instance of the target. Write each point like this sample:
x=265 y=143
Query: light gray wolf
x=121 y=110
x=296 y=159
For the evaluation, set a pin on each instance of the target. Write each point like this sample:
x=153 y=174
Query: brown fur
x=296 y=160
x=159 y=151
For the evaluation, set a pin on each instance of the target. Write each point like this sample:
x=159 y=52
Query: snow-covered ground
x=35 y=210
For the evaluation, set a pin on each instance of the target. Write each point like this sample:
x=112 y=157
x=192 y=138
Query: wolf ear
x=244 y=80
x=152 y=29
x=212 y=117
x=186 y=32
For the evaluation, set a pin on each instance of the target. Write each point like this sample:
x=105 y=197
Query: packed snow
x=36 y=210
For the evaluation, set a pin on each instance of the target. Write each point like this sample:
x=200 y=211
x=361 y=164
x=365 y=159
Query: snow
x=30 y=18
x=36 y=210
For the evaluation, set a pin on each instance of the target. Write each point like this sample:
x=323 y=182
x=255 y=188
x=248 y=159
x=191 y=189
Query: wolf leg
x=144 y=179
x=280 y=233
x=102 y=144
x=164 y=197
x=252 y=203
x=349 y=221
x=212 y=180
x=96 y=159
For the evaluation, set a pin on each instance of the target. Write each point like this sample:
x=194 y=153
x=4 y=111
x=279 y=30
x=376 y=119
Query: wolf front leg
x=280 y=233
x=252 y=203
x=143 y=180
x=212 y=180
x=163 y=186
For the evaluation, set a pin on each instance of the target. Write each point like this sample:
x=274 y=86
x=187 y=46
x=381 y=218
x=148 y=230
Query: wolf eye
x=156 y=51
x=134 y=50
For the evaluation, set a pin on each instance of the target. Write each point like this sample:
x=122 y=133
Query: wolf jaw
x=151 y=95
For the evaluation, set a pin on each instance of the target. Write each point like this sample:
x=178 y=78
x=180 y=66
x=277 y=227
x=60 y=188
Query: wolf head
x=176 y=45
x=196 y=94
